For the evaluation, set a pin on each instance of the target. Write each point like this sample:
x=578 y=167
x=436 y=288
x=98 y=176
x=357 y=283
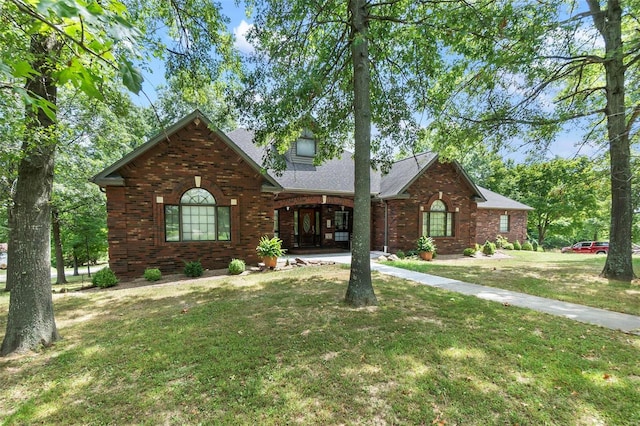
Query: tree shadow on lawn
x=286 y=349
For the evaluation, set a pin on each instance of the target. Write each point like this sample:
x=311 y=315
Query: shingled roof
x=500 y=202
x=335 y=176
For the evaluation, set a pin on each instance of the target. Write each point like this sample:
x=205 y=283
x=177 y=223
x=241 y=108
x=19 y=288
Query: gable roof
x=335 y=176
x=110 y=175
x=404 y=173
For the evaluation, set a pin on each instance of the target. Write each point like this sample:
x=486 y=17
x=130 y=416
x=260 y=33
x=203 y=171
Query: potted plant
x=269 y=249
x=426 y=247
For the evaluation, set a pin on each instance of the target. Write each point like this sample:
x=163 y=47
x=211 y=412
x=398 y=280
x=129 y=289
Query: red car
x=590 y=247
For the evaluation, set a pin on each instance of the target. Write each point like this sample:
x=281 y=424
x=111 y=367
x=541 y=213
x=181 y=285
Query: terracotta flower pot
x=270 y=261
x=426 y=255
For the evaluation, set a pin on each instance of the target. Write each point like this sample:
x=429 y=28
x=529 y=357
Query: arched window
x=197 y=218
x=437 y=222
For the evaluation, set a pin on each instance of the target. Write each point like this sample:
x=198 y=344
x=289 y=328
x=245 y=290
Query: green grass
x=568 y=277
x=282 y=348
x=73 y=282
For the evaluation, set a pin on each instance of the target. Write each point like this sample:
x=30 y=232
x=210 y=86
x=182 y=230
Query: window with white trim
x=437 y=222
x=197 y=218
x=305 y=147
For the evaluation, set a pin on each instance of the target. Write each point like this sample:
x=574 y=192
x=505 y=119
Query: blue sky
x=238 y=25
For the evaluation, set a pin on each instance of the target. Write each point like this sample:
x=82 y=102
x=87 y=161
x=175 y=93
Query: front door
x=307 y=227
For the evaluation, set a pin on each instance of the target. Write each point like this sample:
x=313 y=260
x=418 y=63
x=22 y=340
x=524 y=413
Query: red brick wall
x=136 y=217
x=489 y=225
x=405 y=215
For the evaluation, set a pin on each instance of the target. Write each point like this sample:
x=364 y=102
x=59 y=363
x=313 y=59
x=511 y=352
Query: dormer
x=304 y=149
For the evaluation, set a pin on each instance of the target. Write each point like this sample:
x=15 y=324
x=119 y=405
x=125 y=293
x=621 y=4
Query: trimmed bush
x=469 y=252
x=236 y=266
x=193 y=269
x=152 y=274
x=501 y=241
x=534 y=245
x=104 y=278
x=508 y=246
x=517 y=246
x=400 y=254
x=489 y=248
x=527 y=246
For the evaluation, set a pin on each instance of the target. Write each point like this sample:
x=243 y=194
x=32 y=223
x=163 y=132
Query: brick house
x=196 y=193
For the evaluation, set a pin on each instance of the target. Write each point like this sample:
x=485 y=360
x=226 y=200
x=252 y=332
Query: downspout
x=386 y=226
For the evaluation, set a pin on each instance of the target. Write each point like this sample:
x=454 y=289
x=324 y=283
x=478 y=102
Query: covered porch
x=313 y=223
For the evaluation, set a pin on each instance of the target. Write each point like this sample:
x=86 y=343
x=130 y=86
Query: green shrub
x=508 y=246
x=469 y=252
x=527 y=246
x=489 y=248
x=193 y=269
x=152 y=274
x=517 y=246
x=104 y=278
x=534 y=245
x=401 y=254
x=501 y=241
x=236 y=266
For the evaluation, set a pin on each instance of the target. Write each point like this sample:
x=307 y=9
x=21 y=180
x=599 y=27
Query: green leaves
x=96 y=39
x=131 y=77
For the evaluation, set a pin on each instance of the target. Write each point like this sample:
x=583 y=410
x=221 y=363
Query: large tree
x=355 y=74
x=53 y=44
x=560 y=65
x=59 y=35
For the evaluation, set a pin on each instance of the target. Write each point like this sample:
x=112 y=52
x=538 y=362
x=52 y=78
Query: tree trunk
x=75 y=264
x=619 y=265
x=57 y=244
x=360 y=290
x=30 y=322
x=542 y=230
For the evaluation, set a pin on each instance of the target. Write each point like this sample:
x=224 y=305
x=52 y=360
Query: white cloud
x=240 y=35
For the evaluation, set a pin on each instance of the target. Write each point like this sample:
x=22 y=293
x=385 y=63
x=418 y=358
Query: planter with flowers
x=269 y=249
x=426 y=247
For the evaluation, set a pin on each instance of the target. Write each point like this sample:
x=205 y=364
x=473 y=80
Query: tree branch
x=80 y=43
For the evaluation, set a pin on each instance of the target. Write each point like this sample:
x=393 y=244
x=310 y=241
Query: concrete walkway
x=601 y=317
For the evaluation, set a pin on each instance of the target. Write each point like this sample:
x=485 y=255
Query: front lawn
x=569 y=277
x=282 y=348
